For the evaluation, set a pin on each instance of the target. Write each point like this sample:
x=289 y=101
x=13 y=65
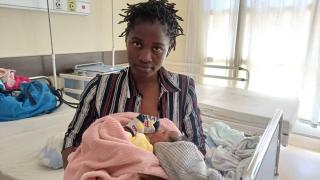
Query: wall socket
x=58 y=4
x=72 y=5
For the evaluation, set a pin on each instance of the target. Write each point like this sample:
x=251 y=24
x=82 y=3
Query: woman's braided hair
x=153 y=10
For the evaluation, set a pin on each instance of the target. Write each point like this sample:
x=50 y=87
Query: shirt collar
x=132 y=90
x=167 y=81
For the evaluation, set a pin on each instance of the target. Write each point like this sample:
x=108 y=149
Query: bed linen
x=22 y=140
x=245 y=110
x=228 y=150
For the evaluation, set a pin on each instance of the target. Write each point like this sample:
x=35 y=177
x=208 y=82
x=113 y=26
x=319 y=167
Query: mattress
x=21 y=141
x=245 y=110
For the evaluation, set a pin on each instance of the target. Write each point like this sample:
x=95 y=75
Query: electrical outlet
x=58 y=4
x=72 y=5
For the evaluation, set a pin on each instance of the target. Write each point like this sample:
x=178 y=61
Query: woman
x=145 y=87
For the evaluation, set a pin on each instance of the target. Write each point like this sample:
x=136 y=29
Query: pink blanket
x=107 y=153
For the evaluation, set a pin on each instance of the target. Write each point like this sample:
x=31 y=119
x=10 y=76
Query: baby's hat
x=182 y=160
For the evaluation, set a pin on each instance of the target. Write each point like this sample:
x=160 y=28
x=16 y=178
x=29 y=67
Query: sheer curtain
x=277 y=40
x=281 y=50
x=196 y=34
x=210 y=37
x=274 y=44
x=310 y=92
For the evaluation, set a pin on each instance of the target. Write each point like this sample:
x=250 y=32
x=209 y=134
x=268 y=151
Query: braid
x=151 y=11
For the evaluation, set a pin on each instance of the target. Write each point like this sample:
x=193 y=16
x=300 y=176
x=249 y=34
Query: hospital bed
x=21 y=141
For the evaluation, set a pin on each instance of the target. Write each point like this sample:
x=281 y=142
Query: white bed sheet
x=247 y=102
x=245 y=110
x=21 y=141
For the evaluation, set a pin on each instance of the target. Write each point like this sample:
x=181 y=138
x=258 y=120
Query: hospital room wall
x=26 y=33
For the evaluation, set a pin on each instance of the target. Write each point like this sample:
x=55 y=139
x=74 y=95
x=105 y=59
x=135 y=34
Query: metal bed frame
x=45 y=78
x=265 y=161
x=246 y=80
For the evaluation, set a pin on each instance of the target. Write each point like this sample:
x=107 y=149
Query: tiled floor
x=297 y=162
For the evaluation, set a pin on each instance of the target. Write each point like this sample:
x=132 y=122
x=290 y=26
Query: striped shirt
x=116 y=92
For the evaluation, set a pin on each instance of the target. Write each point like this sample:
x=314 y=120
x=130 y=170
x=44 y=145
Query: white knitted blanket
x=183 y=160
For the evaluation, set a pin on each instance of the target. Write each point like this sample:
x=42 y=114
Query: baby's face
x=163 y=136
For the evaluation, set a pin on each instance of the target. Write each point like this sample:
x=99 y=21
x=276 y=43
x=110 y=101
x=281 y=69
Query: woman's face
x=147 y=46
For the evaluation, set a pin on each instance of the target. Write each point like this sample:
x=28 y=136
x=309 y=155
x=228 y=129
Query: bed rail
x=246 y=80
x=41 y=78
x=264 y=163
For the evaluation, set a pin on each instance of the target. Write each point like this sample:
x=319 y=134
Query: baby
x=143 y=131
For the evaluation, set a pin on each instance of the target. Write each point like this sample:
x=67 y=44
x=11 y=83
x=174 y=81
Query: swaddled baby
x=144 y=131
x=180 y=159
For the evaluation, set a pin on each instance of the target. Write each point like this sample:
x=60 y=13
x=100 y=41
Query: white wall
x=26 y=32
x=23 y=33
x=74 y=33
x=179 y=54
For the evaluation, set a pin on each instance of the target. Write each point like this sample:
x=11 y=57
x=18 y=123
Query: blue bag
x=35 y=98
